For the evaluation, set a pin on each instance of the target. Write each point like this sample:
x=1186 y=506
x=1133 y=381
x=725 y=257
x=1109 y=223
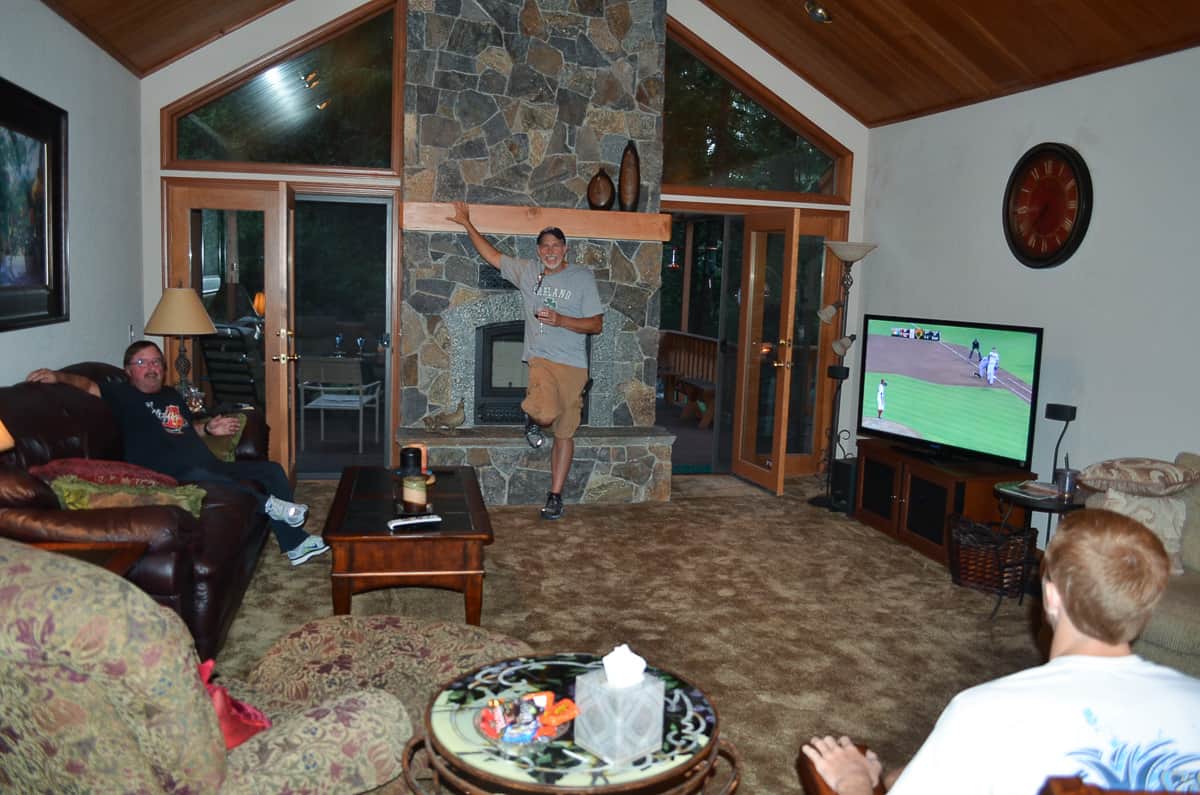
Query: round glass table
x=691 y=759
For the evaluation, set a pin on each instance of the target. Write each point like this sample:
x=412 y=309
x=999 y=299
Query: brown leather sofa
x=198 y=567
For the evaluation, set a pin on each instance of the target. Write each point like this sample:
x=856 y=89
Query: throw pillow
x=239 y=721
x=78 y=494
x=225 y=447
x=1163 y=515
x=97 y=470
x=1144 y=476
x=1191 y=513
x=20 y=489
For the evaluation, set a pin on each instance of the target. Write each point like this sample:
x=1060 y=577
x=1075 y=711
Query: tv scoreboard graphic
x=916 y=333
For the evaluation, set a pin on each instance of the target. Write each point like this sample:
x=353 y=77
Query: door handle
x=285 y=332
x=781 y=364
x=385 y=339
x=285 y=358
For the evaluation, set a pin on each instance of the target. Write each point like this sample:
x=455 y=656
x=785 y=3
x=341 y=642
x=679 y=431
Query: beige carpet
x=793 y=619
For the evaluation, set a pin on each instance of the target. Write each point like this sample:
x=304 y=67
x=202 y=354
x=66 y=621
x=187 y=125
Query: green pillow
x=225 y=447
x=77 y=494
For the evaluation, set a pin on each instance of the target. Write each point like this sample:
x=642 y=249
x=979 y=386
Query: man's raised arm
x=462 y=217
x=47 y=376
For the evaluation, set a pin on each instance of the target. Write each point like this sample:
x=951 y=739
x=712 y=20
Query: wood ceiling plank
x=881 y=60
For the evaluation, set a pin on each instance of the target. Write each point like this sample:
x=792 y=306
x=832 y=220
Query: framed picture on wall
x=33 y=210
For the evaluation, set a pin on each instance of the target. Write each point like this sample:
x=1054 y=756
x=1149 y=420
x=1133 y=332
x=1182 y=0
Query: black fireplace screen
x=500 y=375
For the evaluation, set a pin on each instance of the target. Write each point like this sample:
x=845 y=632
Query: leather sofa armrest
x=170 y=534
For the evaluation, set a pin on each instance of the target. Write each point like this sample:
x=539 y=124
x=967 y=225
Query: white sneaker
x=307 y=549
x=294 y=513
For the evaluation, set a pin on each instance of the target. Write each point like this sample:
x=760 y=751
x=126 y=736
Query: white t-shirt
x=1117 y=722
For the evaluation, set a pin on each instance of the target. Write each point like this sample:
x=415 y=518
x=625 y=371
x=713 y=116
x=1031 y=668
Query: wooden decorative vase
x=630 y=179
x=601 y=191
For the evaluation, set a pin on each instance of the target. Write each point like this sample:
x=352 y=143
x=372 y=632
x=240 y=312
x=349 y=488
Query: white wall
x=1119 y=315
x=44 y=55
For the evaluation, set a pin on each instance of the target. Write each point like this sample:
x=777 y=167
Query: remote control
x=410 y=521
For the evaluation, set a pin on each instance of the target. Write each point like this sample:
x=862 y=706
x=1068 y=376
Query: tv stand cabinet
x=911 y=496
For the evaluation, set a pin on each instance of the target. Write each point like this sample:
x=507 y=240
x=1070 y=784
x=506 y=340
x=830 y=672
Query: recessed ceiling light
x=817 y=12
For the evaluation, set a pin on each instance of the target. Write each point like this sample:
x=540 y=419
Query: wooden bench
x=687 y=365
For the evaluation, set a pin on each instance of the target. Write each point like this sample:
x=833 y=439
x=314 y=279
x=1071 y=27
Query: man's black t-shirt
x=156 y=429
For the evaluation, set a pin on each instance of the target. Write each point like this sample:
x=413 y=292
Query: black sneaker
x=533 y=433
x=554 y=506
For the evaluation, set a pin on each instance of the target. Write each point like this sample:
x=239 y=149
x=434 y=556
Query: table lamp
x=181 y=314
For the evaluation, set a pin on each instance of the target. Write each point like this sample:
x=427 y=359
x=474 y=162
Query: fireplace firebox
x=501 y=376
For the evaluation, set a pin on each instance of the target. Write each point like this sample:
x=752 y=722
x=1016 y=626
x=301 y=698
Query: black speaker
x=845 y=478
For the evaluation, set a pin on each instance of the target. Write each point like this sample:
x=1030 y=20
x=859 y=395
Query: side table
x=1011 y=496
x=467 y=761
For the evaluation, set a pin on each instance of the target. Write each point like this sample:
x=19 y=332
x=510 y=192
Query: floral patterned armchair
x=99 y=691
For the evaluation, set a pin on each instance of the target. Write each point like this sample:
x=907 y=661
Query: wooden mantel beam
x=503 y=219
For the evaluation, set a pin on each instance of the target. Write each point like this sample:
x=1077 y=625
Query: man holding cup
x=562 y=306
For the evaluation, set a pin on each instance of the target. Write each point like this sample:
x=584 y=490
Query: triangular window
x=715 y=135
x=327 y=106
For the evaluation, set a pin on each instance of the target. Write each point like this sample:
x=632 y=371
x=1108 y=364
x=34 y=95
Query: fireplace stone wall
x=520 y=102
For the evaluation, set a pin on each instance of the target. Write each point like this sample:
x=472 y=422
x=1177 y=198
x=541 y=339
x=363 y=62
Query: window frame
x=843 y=158
x=170 y=115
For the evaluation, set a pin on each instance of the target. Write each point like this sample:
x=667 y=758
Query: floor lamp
x=848 y=253
x=181 y=314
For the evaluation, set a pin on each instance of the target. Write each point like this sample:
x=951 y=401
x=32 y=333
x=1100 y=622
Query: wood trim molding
x=785 y=112
x=498 y=219
x=734 y=194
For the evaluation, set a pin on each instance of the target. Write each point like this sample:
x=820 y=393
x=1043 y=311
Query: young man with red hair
x=1095 y=710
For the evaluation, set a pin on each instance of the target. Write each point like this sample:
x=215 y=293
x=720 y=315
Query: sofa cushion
x=225 y=447
x=97 y=470
x=1141 y=476
x=1173 y=625
x=19 y=489
x=1191 y=519
x=1163 y=515
x=78 y=494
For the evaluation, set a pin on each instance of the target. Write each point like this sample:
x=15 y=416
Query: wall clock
x=1047 y=205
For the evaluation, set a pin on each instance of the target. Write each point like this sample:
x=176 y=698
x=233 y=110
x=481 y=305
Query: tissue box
x=618 y=724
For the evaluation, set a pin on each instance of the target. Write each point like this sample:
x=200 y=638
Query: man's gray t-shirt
x=571 y=291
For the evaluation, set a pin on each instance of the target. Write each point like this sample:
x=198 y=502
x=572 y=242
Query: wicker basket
x=990 y=557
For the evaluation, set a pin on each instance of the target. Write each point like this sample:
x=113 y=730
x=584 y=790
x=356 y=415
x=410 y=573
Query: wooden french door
x=245 y=227
x=779 y=406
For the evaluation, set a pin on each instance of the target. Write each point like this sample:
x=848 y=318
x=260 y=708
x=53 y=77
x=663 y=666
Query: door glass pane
x=341 y=323
x=764 y=307
x=227 y=253
x=329 y=106
x=727 y=340
x=802 y=400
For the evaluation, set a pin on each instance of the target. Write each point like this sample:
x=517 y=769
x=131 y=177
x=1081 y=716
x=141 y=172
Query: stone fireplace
x=520 y=104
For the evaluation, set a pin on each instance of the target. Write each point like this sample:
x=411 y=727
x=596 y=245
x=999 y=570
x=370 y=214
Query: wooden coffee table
x=366 y=555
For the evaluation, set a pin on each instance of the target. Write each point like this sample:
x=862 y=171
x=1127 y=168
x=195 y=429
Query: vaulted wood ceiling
x=881 y=60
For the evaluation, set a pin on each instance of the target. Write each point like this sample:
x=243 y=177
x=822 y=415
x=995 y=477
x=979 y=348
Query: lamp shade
x=179 y=312
x=827 y=313
x=841 y=346
x=6 y=439
x=849 y=252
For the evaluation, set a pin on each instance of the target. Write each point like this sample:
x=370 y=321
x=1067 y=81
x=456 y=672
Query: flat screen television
x=949 y=387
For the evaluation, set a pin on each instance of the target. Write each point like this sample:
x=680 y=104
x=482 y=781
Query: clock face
x=1047 y=205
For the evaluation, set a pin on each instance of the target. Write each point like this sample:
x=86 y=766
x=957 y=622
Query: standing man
x=881 y=397
x=975 y=350
x=562 y=306
x=158 y=432
x=993 y=359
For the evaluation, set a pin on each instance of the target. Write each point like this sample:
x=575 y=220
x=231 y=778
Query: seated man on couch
x=158 y=433
x=1095 y=710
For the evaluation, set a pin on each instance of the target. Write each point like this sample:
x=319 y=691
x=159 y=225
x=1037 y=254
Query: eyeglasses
x=147 y=362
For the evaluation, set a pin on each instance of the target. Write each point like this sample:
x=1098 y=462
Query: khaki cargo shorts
x=555 y=394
